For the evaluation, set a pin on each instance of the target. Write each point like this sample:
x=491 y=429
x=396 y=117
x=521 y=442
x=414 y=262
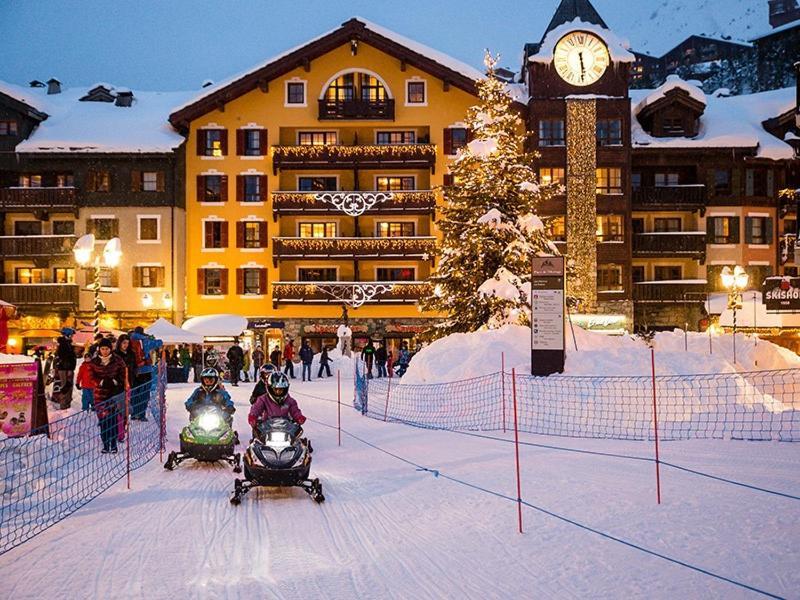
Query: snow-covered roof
x=728 y=122
x=222 y=325
x=75 y=126
x=780 y=29
x=673 y=82
x=618 y=49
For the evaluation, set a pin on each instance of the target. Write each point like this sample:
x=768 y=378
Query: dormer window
x=8 y=128
x=673 y=126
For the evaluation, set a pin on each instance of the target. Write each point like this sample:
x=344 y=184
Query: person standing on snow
x=65 y=364
x=306 y=357
x=258 y=360
x=235 y=361
x=368 y=356
x=275 y=357
x=380 y=359
x=324 y=362
x=403 y=359
x=288 y=356
x=246 y=365
x=84 y=383
x=186 y=361
x=107 y=374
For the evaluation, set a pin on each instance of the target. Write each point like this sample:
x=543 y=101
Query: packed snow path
x=387 y=530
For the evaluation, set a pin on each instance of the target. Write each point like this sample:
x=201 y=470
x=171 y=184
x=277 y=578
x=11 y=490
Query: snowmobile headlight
x=277 y=439
x=209 y=422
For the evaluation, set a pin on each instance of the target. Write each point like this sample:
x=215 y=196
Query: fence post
x=655 y=422
x=503 y=385
x=339 y=403
x=386 y=408
x=516 y=446
x=127 y=428
x=162 y=402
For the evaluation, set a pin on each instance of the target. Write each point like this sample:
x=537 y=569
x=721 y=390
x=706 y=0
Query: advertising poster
x=17 y=392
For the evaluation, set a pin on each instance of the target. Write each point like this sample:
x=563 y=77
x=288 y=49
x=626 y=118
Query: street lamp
x=147 y=300
x=735 y=281
x=86 y=256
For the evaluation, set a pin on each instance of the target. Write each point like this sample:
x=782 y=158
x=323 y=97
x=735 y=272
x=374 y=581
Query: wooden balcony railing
x=353 y=203
x=40 y=294
x=670 y=197
x=419 y=247
x=43 y=198
x=362 y=292
x=36 y=246
x=356 y=109
x=410 y=156
x=680 y=290
x=689 y=244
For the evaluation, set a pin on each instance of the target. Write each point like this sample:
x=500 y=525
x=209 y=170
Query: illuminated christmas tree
x=489 y=223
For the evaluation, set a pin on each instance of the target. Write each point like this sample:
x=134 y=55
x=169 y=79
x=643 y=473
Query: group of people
x=109 y=368
x=383 y=360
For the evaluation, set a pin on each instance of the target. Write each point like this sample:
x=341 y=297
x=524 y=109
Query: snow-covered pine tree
x=489 y=223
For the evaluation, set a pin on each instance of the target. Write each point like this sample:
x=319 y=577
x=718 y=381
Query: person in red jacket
x=276 y=402
x=84 y=383
x=288 y=357
x=107 y=373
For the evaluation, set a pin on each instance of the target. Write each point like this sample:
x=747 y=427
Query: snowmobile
x=278 y=456
x=207 y=438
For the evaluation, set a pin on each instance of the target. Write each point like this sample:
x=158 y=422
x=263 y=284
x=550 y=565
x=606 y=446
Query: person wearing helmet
x=263 y=377
x=276 y=402
x=211 y=393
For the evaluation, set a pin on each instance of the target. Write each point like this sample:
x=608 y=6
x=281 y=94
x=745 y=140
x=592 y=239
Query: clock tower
x=579 y=117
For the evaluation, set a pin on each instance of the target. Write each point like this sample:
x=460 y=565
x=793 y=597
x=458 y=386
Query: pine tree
x=489 y=223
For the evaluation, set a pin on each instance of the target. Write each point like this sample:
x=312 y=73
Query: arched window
x=356 y=94
x=352 y=86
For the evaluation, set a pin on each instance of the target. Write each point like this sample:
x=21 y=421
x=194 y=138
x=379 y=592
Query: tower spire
x=569 y=10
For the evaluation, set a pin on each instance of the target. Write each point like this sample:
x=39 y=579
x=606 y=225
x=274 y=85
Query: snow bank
x=464 y=355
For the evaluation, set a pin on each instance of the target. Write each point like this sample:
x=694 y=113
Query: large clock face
x=581 y=58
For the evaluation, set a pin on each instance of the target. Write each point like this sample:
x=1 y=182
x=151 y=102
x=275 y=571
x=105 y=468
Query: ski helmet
x=278 y=387
x=213 y=375
x=265 y=371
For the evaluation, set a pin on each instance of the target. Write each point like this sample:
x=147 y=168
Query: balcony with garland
x=680 y=244
x=353 y=203
x=293 y=248
x=361 y=156
x=35 y=247
x=354 y=293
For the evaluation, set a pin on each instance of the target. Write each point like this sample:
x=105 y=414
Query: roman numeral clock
x=580 y=58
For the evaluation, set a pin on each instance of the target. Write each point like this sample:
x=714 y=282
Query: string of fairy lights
x=397 y=290
x=414 y=199
x=333 y=152
x=400 y=245
x=581 y=201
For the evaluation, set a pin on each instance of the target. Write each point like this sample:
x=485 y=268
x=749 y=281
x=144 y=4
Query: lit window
x=395 y=184
x=317 y=138
x=317 y=274
x=610 y=228
x=550 y=175
x=63 y=275
x=252 y=234
x=395 y=229
x=30 y=181
x=213 y=146
x=29 y=275
x=557 y=229
x=609 y=278
x=416 y=92
x=396 y=137
x=317 y=230
x=65 y=181
x=609 y=180
x=8 y=127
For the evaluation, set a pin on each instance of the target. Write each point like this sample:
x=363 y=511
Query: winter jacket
x=197 y=357
x=129 y=358
x=368 y=354
x=65 y=355
x=306 y=354
x=404 y=357
x=149 y=345
x=259 y=390
x=288 y=352
x=258 y=358
x=185 y=358
x=275 y=357
x=108 y=381
x=201 y=399
x=84 y=379
x=235 y=356
x=324 y=359
x=138 y=352
x=265 y=408
x=380 y=355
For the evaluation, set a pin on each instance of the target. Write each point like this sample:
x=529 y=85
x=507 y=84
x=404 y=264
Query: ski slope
x=388 y=530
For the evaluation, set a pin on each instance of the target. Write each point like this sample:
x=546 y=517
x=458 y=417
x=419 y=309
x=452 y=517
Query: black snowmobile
x=278 y=456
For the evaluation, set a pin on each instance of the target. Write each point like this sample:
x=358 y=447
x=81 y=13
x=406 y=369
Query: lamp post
x=86 y=256
x=735 y=281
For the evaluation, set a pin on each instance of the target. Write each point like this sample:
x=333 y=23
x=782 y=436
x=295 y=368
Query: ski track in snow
x=388 y=531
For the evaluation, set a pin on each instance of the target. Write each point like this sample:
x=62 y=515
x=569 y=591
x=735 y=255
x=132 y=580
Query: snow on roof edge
x=618 y=48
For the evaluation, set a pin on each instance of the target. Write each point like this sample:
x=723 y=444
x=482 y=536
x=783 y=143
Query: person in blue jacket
x=210 y=393
x=143 y=346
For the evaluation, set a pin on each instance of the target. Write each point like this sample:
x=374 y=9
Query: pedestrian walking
x=324 y=363
x=84 y=383
x=65 y=363
x=235 y=357
x=368 y=356
x=306 y=357
x=107 y=373
x=288 y=356
x=380 y=359
x=275 y=357
x=403 y=359
x=125 y=352
x=258 y=360
x=246 y=366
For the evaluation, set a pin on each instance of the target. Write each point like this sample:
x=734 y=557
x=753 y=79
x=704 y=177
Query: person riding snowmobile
x=276 y=402
x=210 y=393
x=263 y=377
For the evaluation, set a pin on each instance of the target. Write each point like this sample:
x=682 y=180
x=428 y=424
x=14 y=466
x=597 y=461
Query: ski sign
x=547 y=315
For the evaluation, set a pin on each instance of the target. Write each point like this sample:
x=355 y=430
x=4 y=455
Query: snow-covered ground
x=389 y=530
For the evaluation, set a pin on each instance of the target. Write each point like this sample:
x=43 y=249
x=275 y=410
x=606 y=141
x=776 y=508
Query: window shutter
x=201 y=188
x=470 y=135
x=137 y=277
x=136 y=181
x=263 y=142
x=240 y=142
x=223 y=281
x=223 y=188
x=160 y=181
x=91 y=180
x=748 y=186
x=262 y=234
x=224 y=141
x=735 y=233
x=201 y=144
x=160 y=276
x=262 y=186
x=240 y=281
x=448 y=141
x=115 y=228
x=89 y=225
x=262 y=278
x=448 y=179
x=240 y=188
x=770 y=183
x=748 y=230
x=209 y=234
x=115 y=277
x=240 y=234
x=223 y=234
x=768 y=230
x=201 y=281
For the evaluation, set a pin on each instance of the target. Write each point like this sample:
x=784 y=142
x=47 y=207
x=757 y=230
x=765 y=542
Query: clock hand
x=583 y=69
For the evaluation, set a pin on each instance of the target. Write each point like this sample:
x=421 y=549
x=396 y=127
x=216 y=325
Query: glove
x=252 y=420
x=300 y=420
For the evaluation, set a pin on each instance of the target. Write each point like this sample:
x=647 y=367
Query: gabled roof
x=431 y=61
x=22 y=100
x=569 y=10
x=673 y=90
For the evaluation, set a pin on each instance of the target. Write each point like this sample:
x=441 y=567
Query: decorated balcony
x=671 y=291
x=353 y=203
x=36 y=246
x=356 y=109
x=352 y=293
x=684 y=244
x=29 y=199
x=292 y=248
x=670 y=197
x=25 y=295
x=374 y=156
